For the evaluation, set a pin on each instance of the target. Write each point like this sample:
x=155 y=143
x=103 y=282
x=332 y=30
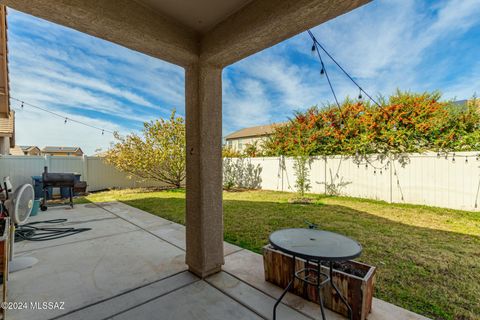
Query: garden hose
x=30 y=232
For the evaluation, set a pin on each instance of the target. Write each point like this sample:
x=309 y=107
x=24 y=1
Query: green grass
x=428 y=258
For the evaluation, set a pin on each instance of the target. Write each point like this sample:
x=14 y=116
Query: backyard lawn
x=428 y=259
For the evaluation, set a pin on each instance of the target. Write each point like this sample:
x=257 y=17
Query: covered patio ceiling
x=203 y=36
x=182 y=31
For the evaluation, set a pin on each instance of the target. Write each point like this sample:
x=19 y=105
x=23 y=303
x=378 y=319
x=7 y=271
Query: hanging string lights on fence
x=66 y=119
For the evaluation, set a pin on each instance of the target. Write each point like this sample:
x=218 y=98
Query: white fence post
x=325 y=181
x=282 y=168
x=390 y=163
x=85 y=168
x=47 y=161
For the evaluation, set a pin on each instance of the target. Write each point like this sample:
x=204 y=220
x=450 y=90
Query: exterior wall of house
x=240 y=144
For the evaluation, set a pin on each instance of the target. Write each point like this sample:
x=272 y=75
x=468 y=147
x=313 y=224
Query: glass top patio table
x=311 y=244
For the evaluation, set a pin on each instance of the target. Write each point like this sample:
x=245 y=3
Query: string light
x=317 y=45
x=324 y=70
x=360 y=95
x=66 y=119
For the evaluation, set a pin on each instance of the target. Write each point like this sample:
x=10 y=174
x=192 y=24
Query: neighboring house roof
x=28 y=148
x=460 y=102
x=100 y=154
x=257 y=131
x=16 y=151
x=50 y=149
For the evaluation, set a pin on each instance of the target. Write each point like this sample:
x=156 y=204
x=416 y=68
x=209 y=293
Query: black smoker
x=57 y=180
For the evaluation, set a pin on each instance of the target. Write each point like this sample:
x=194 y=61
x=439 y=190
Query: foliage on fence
x=228 y=152
x=301 y=166
x=241 y=173
x=158 y=154
x=405 y=123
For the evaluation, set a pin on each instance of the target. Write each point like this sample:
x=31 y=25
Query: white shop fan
x=19 y=208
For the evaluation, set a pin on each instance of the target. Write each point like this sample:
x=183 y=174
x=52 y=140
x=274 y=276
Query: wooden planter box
x=357 y=290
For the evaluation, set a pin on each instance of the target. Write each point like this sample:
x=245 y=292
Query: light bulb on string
x=103 y=132
x=313 y=49
x=466 y=159
x=21 y=105
x=65 y=122
x=453 y=159
x=323 y=69
x=360 y=95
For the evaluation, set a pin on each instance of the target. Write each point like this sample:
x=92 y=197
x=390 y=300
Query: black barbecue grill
x=60 y=180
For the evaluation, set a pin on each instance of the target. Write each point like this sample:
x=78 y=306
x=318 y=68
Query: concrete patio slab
x=198 y=301
x=87 y=271
x=78 y=213
x=253 y=298
x=175 y=234
x=131 y=299
x=102 y=225
x=133 y=215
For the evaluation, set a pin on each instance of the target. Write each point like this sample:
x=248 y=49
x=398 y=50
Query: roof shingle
x=257 y=131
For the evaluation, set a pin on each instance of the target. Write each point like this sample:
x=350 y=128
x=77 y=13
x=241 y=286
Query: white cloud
x=36 y=128
x=84 y=78
x=385 y=45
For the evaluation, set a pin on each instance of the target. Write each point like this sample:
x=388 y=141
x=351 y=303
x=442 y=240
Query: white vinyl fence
x=427 y=179
x=451 y=181
x=94 y=170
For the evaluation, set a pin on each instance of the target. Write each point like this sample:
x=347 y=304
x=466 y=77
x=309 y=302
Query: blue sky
x=385 y=45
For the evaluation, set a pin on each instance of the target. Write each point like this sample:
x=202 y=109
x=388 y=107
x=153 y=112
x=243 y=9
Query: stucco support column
x=204 y=213
x=4 y=146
